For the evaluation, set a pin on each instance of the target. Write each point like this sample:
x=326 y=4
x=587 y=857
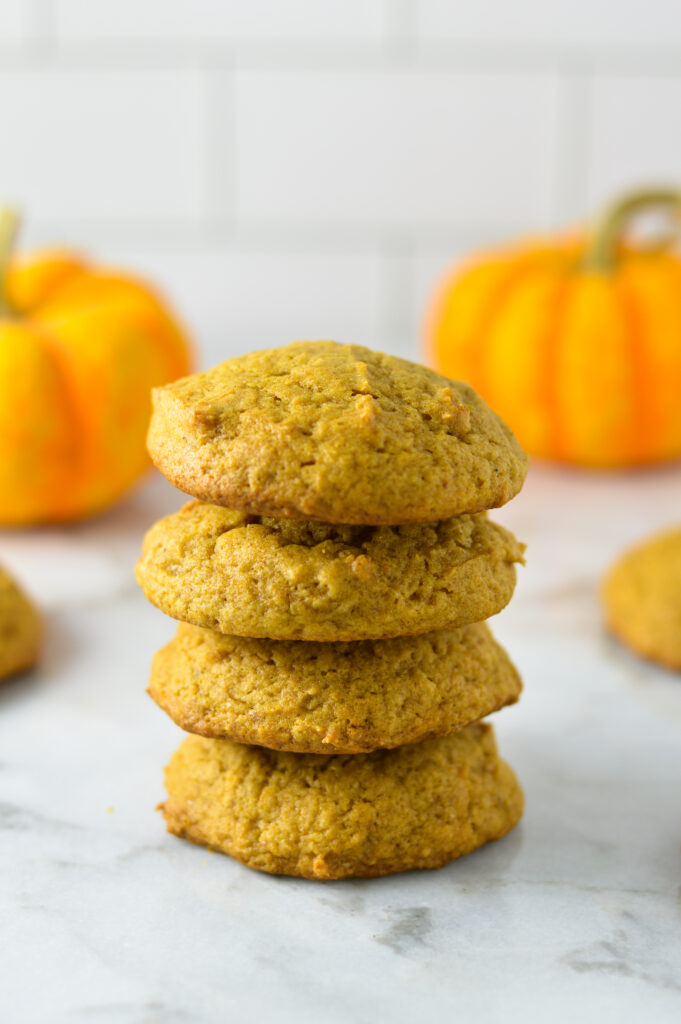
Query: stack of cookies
x=332 y=580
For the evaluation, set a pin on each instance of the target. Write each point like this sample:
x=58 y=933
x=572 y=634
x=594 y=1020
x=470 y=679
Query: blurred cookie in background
x=641 y=596
x=20 y=628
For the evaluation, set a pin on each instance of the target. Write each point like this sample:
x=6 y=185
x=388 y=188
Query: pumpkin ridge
x=130 y=293
x=80 y=352
x=77 y=406
x=581 y=357
x=58 y=502
x=476 y=346
x=554 y=338
x=643 y=408
x=675 y=271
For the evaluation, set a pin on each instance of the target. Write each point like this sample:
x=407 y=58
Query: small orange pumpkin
x=575 y=343
x=80 y=350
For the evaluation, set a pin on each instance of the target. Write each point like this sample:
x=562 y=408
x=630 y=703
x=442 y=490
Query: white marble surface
x=577 y=914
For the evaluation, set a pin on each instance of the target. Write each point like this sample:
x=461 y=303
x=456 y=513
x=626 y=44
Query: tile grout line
x=400 y=49
x=301 y=236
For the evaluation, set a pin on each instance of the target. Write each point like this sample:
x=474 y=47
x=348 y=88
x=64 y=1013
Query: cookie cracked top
x=334 y=433
x=288 y=579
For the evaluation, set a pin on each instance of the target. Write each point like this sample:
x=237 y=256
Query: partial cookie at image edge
x=641 y=598
x=21 y=629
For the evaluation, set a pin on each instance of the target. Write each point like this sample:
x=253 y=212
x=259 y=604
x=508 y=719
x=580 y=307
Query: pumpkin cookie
x=343 y=698
x=293 y=580
x=20 y=628
x=339 y=816
x=642 y=598
x=334 y=433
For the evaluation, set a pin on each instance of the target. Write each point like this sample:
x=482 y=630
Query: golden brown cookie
x=20 y=628
x=288 y=579
x=343 y=698
x=642 y=598
x=343 y=816
x=334 y=433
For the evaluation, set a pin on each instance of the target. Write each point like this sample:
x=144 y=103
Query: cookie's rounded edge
x=507 y=799
x=499 y=687
x=627 y=624
x=176 y=472
x=21 y=652
x=181 y=457
x=185 y=597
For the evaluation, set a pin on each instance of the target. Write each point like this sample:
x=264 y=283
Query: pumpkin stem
x=600 y=255
x=9 y=226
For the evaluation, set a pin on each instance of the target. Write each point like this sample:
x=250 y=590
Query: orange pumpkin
x=80 y=349
x=576 y=343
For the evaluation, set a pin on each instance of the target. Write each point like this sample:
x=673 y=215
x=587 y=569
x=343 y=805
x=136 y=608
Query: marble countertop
x=105 y=918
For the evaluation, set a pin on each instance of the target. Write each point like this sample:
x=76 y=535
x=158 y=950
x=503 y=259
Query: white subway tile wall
x=298 y=168
x=405 y=149
x=585 y=23
x=634 y=131
x=226 y=20
x=103 y=145
x=239 y=297
x=13 y=21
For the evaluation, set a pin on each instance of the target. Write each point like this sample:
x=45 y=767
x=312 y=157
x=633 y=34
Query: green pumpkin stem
x=9 y=227
x=600 y=255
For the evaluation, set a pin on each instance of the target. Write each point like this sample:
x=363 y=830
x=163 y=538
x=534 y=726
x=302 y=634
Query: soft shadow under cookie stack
x=332 y=583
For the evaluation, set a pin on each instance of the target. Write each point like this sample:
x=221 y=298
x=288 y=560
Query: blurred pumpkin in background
x=80 y=350
x=576 y=342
